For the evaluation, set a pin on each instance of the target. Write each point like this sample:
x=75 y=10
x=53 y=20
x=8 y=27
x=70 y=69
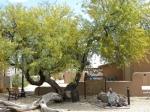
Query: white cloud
x=17 y=1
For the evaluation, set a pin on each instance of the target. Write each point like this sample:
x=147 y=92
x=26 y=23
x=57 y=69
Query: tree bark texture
x=40 y=103
x=45 y=78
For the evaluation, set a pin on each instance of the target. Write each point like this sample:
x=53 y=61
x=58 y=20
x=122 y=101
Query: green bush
x=17 y=81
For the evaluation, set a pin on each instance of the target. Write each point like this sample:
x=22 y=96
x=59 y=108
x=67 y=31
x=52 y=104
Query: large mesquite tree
x=48 y=39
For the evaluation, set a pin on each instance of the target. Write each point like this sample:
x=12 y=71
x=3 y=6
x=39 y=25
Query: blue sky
x=74 y=4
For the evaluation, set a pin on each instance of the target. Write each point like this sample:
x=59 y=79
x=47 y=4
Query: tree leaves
x=54 y=39
x=117 y=22
x=42 y=36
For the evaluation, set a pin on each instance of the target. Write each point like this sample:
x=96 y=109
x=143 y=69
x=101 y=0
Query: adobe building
x=112 y=72
x=69 y=76
x=5 y=80
x=141 y=66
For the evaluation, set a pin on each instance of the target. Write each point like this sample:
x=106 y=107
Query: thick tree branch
x=54 y=85
x=33 y=82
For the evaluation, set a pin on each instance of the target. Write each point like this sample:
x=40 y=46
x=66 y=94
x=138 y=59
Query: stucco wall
x=135 y=86
x=119 y=86
x=142 y=66
x=112 y=71
x=69 y=76
x=93 y=87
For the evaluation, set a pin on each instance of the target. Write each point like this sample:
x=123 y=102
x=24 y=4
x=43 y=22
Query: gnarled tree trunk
x=42 y=102
x=44 y=78
x=54 y=85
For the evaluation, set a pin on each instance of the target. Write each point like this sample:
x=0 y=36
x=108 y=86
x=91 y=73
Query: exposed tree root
x=40 y=103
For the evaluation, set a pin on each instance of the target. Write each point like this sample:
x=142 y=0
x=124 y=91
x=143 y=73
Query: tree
x=120 y=37
x=6 y=48
x=50 y=39
x=47 y=40
x=145 y=17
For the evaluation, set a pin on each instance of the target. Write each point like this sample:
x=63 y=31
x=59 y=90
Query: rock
x=103 y=97
x=122 y=100
x=119 y=100
x=113 y=98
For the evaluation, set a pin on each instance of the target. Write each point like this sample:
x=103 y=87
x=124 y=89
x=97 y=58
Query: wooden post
x=128 y=95
x=105 y=83
x=85 y=78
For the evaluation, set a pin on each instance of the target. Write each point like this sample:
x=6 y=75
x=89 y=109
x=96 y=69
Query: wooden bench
x=13 y=93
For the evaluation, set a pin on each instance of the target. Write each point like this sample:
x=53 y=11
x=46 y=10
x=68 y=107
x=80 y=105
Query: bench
x=146 y=90
x=13 y=93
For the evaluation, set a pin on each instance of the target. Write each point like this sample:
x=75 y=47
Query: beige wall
x=127 y=73
x=112 y=71
x=119 y=86
x=69 y=76
x=139 y=80
x=93 y=87
x=141 y=66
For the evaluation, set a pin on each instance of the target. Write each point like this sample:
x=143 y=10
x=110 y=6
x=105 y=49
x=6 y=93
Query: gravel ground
x=138 y=104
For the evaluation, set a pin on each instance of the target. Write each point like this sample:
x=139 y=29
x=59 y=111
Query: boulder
x=120 y=98
x=103 y=97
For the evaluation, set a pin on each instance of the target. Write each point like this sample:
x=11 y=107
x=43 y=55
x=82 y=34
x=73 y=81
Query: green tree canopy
x=41 y=34
x=46 y=39
x=118 y=32
x=6 y=49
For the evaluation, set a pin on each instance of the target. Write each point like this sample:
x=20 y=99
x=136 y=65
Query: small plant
x=17 y=81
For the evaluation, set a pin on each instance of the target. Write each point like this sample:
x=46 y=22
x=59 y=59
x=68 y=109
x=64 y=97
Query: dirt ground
x=91 y=104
